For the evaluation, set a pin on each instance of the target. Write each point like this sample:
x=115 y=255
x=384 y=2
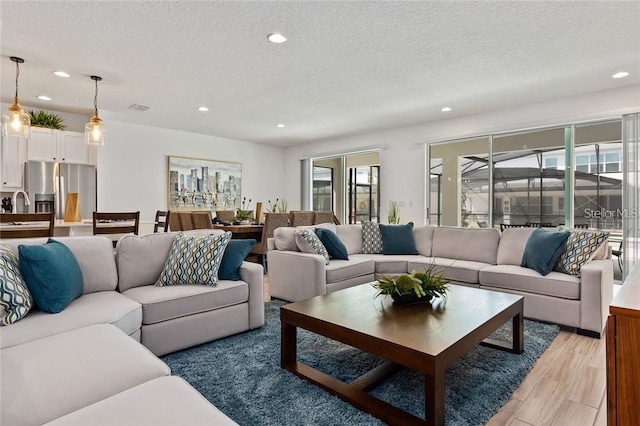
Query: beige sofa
x=82 y=361
x=476 y=257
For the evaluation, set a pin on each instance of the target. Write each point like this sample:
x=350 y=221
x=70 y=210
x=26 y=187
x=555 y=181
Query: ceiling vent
x=138 y=107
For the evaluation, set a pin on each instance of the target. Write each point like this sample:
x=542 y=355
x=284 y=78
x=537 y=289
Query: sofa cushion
x=15 y=299
x=168 y=400
x=308 y=242
x=518 y=278
x=169 y=302
x=351 y=236
x=102 y=307
x=340 y=270
x=57 y=375
x=398 y=239
x=194 y=259
x=581 y=247
x=465 y=271
x=371 y=238
x=473 y=244
x=52 y=274
x=543 y=249
x=93 y=253
x=512 y=244
x=423 y=238
x=333 y=244
x=285 y=238
x=235 y=253
x=391 y=264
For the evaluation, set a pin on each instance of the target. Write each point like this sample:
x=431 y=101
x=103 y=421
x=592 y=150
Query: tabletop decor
x=414 y=287
x=244 y=214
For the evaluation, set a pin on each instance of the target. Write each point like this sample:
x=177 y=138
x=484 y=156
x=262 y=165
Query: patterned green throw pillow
x=371 y=238
x=194 y=259
x=15 y=299
x=581 y=246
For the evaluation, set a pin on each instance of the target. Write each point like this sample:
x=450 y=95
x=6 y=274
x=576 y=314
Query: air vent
x=138 y=107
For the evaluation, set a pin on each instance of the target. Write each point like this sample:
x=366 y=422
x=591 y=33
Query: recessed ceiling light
x=61 y=74
x=276 y=38
x=621 y=74
x=44 y=98
x=446 y=109
x=280 y=125
x=203 y=109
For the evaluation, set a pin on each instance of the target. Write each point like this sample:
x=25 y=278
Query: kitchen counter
x=74 y=229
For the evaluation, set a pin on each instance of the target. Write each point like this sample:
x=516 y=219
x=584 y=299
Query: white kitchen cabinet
x=12 y=164
x=55 y=145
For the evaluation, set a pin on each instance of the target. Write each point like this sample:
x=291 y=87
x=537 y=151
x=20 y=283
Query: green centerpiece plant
x=414 y=287
x=245 y=212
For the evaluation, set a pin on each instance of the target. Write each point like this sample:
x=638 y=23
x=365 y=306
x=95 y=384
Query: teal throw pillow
x=543 y=249
x=52 y=274
x=235 y=253
x=15 y=299
x=334 y=245
x=194 y=259
x=398 y=239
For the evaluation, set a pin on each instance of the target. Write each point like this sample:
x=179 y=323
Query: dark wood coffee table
x=425 y=337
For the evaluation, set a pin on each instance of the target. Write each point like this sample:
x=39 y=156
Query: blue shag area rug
x=241 y=375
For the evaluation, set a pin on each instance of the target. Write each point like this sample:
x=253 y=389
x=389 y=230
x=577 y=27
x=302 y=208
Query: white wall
x=402 y=167
x=133 y=166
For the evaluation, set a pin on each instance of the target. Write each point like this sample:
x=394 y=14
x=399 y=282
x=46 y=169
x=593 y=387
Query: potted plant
x=244 y=214
x=393 y=214
x=414 y=287
x=48 y=120
x=279 y=206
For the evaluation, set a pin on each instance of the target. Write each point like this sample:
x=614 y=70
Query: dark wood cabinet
x=623 y=354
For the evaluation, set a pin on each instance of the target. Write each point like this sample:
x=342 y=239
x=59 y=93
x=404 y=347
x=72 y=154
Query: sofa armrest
x=295 y=275
x=596 y=293
x=253 y=274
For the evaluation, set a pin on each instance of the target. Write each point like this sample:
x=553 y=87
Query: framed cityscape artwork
x=200 y=184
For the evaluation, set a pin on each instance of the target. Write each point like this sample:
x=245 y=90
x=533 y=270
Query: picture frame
x=198 y=184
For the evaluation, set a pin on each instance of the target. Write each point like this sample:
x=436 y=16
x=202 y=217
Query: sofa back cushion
x=512 y=244
x=351 y=236
x=94 y=255
x=474 y=244
x=423 y=238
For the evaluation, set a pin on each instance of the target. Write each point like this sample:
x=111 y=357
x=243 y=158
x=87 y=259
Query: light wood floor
x=566 y=386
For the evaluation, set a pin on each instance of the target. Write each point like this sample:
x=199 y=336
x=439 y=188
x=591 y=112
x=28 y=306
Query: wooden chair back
x=301 y=218
x=116 y=223
x=226 y=215
x=162 y=221
x=271 y=222
x=322 y=217
x=201 y=220
x=28 y=225
x=186 y=221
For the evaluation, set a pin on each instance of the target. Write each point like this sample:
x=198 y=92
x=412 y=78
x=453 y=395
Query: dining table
x=243 y=231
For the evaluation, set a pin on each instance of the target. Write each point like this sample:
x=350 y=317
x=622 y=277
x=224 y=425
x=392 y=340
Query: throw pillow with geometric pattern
x=15 y=299
x=308 y=242
x=194 y=260
x=371 y=238
x=581 y=247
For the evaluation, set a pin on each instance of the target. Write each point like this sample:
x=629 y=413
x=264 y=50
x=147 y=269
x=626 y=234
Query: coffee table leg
x=434 y=398
x=288 y=339
x=518 y=333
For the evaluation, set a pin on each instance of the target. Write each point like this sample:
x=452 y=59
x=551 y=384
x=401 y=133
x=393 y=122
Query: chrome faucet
x=14 y=199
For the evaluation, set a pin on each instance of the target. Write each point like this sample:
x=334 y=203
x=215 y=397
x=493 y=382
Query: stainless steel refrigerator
x=48 y=184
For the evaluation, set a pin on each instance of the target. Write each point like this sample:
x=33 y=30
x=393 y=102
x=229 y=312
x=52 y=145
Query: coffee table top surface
x=430 y=328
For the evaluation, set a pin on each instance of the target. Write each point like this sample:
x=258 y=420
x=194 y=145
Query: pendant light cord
x=95 y=99
x=17 y=75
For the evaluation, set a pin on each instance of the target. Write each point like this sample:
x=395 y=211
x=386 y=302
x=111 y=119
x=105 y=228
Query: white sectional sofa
x=85 y=365
x=476 y=257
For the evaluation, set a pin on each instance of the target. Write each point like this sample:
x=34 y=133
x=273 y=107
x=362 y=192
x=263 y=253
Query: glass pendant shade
x=94 y=132
x=16 y=122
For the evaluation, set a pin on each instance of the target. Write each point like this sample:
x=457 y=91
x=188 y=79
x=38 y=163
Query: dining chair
x=504 y=226
x=271 y=222
x=27 y=225
x=539 y=224
x=618 y=255
x=162 y=221
x=186 y=221
x=201 y=220
x=226 y=215
x=323 y=217
x=116 y=223
x=301 y=218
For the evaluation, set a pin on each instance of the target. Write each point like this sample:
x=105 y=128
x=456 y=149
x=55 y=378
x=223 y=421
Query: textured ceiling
x=347 y=68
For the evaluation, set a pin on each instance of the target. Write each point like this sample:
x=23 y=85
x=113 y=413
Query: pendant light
x=94 y=130
x=16 y=122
